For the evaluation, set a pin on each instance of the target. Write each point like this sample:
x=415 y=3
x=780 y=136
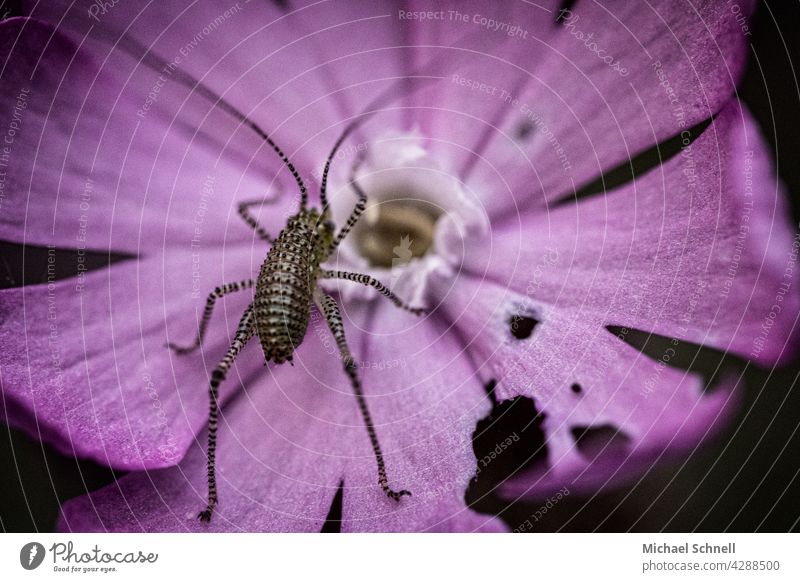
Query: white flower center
x=415 y=224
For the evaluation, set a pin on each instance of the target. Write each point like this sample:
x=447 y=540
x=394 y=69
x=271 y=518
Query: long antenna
x=143 y=54
x=156 y=63
x=386 y=97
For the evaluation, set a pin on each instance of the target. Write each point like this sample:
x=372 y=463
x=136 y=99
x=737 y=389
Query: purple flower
x=471 y=172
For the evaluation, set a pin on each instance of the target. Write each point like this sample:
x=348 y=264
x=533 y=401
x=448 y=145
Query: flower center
x=396 y=231
x=415 y=224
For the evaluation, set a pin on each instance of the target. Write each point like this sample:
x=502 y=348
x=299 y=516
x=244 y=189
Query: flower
x=532 y=289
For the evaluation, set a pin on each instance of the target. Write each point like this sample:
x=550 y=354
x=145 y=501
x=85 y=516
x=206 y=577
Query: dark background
x=745 y=481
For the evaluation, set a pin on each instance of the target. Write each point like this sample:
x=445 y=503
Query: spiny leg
x=244 y=212
x=244 y=332
x=328 y=306
x=359 y=208
x=212 y=297
x=372 y=282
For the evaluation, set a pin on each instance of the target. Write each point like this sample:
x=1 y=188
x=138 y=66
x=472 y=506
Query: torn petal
x=653 y=407
x=698 y=249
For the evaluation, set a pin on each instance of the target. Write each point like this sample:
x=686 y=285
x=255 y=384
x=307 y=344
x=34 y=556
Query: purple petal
x=698 y=249
x=427 y=401
x=84 y=170
x=286 y=444
x=647 y=407
x=482 y=52
x=584 y=116
x=299 y=73
x=84 y=364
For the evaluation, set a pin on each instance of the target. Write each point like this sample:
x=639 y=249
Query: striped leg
x=328 y=306
x=244 y=212
x=371 y=282
x=212 y=297
x=244 y=332
x=358 y=210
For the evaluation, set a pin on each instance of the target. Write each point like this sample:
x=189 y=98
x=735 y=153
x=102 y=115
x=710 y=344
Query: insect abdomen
x=283 y=291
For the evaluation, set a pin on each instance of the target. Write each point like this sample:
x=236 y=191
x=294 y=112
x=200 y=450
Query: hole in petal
x=524 y=130
x=564 y=10
x=522 y=326
x=33 y=265
x=713 y=365
x=593 y=441
x=333 y=521
x=509 y=440
x=636 y=166
x=576 y=388
x=489 y=387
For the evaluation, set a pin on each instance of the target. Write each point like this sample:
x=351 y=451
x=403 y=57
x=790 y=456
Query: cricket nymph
x=287 y=286
x=286 y=283
x=285 y=291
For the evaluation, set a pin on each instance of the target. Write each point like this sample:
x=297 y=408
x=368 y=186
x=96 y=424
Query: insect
x=287 y=284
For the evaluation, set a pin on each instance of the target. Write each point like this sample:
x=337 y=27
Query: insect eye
x=329 y=225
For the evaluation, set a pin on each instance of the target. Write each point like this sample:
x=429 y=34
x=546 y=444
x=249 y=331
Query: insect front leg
x=358 y=210
x=244 y=332
x=244 y=212
x=327 y=305
x=212 y=297
x=372 y=282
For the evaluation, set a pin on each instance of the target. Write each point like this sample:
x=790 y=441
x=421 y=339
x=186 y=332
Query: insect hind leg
x=209 y=309
x=244 y=332
x=330 y=309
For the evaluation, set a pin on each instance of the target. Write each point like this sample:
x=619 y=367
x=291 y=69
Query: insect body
x=287 y=277
x=284 y=292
